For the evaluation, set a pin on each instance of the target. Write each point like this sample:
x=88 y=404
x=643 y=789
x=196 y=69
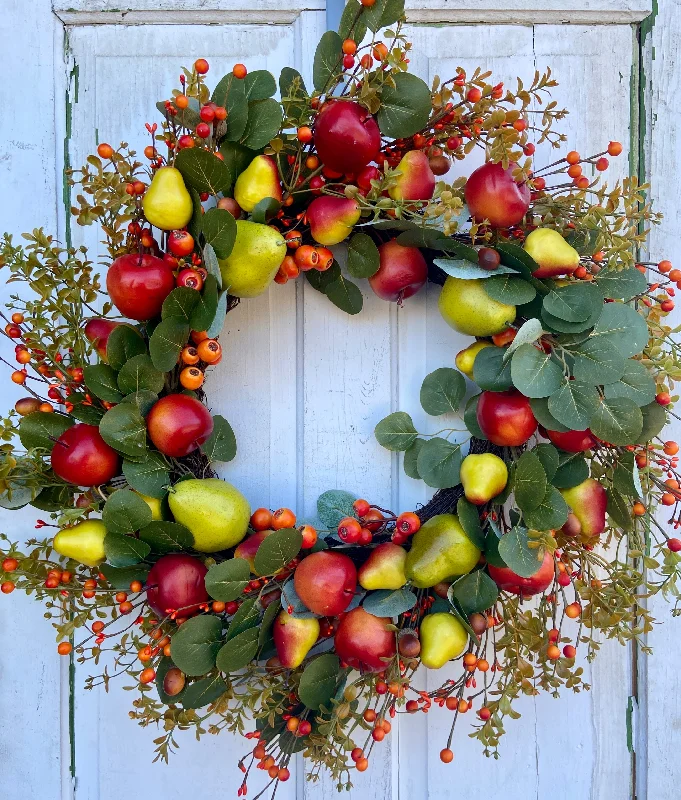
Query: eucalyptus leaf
x=124 y=551
x=623 y=327
x=516 y=554
x=221 y=444
x=617 y=421
x=598 y=361
x=636 y=384
x=439 y=463
x=334 y=505
x=462 y=268
x=396 y=431
x=470 y=522
x=180 y=303
x=573 y=404
x=102 y=381
x=125 y=512
x=534 y=372
x=389 y=603
x=363 y=256
x=327 y=61
x=124 y=429
x=167 y=537
x=42 y=428
x=411 y=458
x=226 y=580
x=529 y=481
x=540 y=409
x=166 y=342
x=550 y=514
x=475 y=592
x=490 y=371
x=150 y=477
x=123 y=343
x=238 y=652
x=195 y=645
x=345 y=294
x=509 y=289
x=219 y=230
x=405 y=106
x=318 y=682
x=277 y=550
x=442 y=391
x=139 y=374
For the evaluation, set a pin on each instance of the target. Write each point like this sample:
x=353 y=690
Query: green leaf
x=393 y=10
x=227 y=580
x=264 y=122
x=203 y=170
x=293 y=93
x=124 y=429
x=202 y=693
x=143 y=400
x=530 y=481
x=540 y=409
x=363 y=256
x=125 y=512
x=50 y=498
x=527 y=333
x=180 y=303
x=470 y=522
x=439 y=462
x=17 y=495
x=654 y=420
x=195 y=645
x=598 y=362
x=405 y=107
x=185 y=117
x=636 y=384
x=277 y=550
x=490 y=371
x=463 y=268
x=139 y=374
x=334 y=505
x=219 y=320
x=389 y=603
x=442 y=391
x=259 y=85
x=345 y=294
x=475 y=592
x=239 y=651
x=470 y=418
x=124 y=551
x=194 y=224
x=221 y=444
x=327 y=61
x=571 y=472
x=534 y=372
x=516 y=257
x=206 y=307
x=551 y=513
x=396 y=431
x=42 y=429
x=623 y=327
x=90 y=415
x=124 y=343
x=219 y=230
x=561 y=326
x=264 y=210
x=617 y=421
x=623 y=476
x=265 y=627
x=162 y=669
x=101 y=380
x=410 y=459
x=167 y=341
x=352 y=24
x=516 y=554
x=231 y=94
x=247 y=616
x=210 y=262
x=509 y=289
x=619 y=510
x=120 y=578
x=150 y=477
x=320 y=280
x=318 y=681
x=167 y=537
x=290 y=600
x=574 y=404
x=236 y=157
x=549 y=458
x=573 y=303
x=621 y=284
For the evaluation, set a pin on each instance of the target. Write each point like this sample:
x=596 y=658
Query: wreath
x=307 y=635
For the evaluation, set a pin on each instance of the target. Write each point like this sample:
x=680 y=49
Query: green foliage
x=221 y=444
x=509 y=289
x=334 y=505
x=534 y=372
x=388 y=602
x=363 y=257
x=203 y=171
x=396 y=431
x=491 y=371
x=239 y=651
x=102 y=381
x=327 y=61
x=439 y=463
x=150 y=477
x=202 y=693
x=124 y=343
x=166 y=342
x=124 y=551
x=319 y=680
x=442 y=391
x=411 y=458
x=41 y=429
x=227 y=580
x=514 y=550
x=405 y=106
x=345 y=294
x=139 y=374
x=529 y=481
x=195 y=645
x=474 y=592
x=470 y=522
x=277 y=550
x=166 y=537
x=264 y=121
x=124 y=429
x=125 y=512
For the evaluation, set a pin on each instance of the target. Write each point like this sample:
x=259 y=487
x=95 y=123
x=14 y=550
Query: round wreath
x=309 y=635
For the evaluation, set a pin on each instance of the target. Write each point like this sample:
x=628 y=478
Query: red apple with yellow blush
x=492 y=194
x=178 y=423
x=364 y=642
x=326 y=582
x=506 y=418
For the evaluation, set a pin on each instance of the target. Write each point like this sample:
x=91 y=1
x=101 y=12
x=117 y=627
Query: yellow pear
x=384 y=569
x=466 y=306
x=155 y=505
x=259 y=180
x=255 y=258
x=167 y=204
x=443 y=638
x=483 y=476
x=215 y=512
x=465 y=358
x=553 y=254
x=440 y=549
x=83 y=542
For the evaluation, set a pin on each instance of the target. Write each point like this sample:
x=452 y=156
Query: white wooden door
x=304 y=385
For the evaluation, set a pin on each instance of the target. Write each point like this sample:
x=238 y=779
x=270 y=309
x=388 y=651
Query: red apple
x=82 y=457
x=346 y=136
x=138 y=285
x=176 y=582
x=97 y=331
x=492 y=193
x=509 y=581
x=363 y=641
x=402 y=272
x=506 y=418
x=572 y=441
x=326 y=582
x=177 y=424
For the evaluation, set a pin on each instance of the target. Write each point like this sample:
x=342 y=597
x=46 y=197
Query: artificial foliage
x=543 y=535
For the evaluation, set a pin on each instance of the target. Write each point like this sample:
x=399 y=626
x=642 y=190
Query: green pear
x=84 y=542
x=155 y=506
x=440 y=549
x=466 y=306
x=384 y=569
x=167 y=204
x=553 y=254
x=443 y=638
x=483 y=477
x=466 y=358
x=215 y=512
x=259 y=180
x=255 y=258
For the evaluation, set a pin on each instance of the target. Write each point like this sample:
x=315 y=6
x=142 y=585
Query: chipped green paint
x=71 y=97
x=630 y=725
x=645 y=29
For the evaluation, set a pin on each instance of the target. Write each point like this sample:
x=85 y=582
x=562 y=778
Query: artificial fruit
x=588 y=501
x=466 y=307
x=346 y=136
x=402 y=272
x=443 y=638
x=80 y=456
x=177 y=424
x=259 y=180
x=138 y=285
x=294 y=638
x=332 y=218
x=255 y=258
x=364 y=641
x=326 y=582
x=466 y=358
x=416 y=180
x=97 y=331
x=384 y=569
x=509 y=581
x=176 y=582
x=493 y=194
x=506 y=418
x=167 y=204
x=83 y=542
x=572 y=441
x=483 y=476
x=553 y=254
x=440 y=549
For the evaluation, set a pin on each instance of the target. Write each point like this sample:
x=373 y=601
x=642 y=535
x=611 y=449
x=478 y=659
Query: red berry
x=207 y=113
x=674 y=545
x=203 y=130
x=201 y=66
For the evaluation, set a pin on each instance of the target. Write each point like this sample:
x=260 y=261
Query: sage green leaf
x=139 y=374
x=227 y=580
x=550 y=514
x=490 y=371
x=167 y=537
x=405 y=107
x=474 y=592
x=549 y=459
x=319 y=680
x=180 y=303
x=195 y=645
x=124 y=429
x=264 y=122
x=334 y=505
x=540 y=409
x=470 y=522
x=123 y=343
x=518 y=259
x=42 y=428
x=534 y=372
x=277 y=550
x=328 y=59
x=621 y=284
x=363 y=256
x=210 y=262
x=389 y=603
x=462 y=267
x=509 y=289
x=571 y=472
x=231 y=94
x=239 y=651
x=617 y=421
x=622 y=326
x=124 y=551
x=150 y=477
x=259 y=85
x=516 y=554
x=167 y=341
x=530 y=481
x=143 y=400
x=470 y=418
x=411 y=457
x=654 y=420
x=219 y=320
x=598 y=361
x=439 y=462
x=101 y=380
x=205 y=310
x=202 y=693
x=125 y=512
x=396 y=431
x=573 y=404
x=558 y=325
x=636 y=383
x=345 y=294
x=120 y=578
x=529 y=332
x=575 y=302
x=619 y=509
x=442 y=391
x=219 y=230
x=247 y=616
x=203 y=170
x=221 y=444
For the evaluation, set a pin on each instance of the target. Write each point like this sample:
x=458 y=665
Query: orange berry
x=602 y=164
x=126 y=607
x=64 y=648
x=574 y=171
x=446 y=756
x=614 y=148
x=664 y=266
x=218 y=606
x=638 y=509
x=573 y=610
x=292 y=724
x=380 y=51
x=667 y=499
x=261 y=520
x=181 y=101
x=369 y=715
x=9 y=565
x=191 y=378
x=201 y=66
x=7 y=587
x=190 y=356
x=294 y=238
x=325 y=259
x=19 y=376
x=283 y=518
x=17 y=318
x=210 y=351
x=671 y=448
x=289 y=267
x=98 y=626
x=304 y=134
x=239 y=71
x=362 y=765
x=105 y=150
x=552 y=652
x=573 y=157
x=199 y=336
x=580 y=273
x=483 y=665
x=349 y=47
x=46 y=408
x=309 y=536
x=470 y=659
x=569 y=651
x=312 y=162
x=147 y=675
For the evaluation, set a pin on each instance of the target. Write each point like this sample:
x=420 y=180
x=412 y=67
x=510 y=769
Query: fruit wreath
x=307 y=636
